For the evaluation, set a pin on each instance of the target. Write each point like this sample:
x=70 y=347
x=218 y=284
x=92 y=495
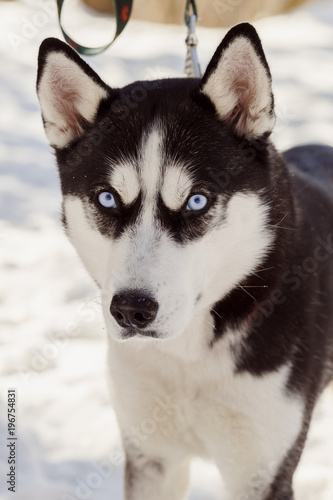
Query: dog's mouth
x=129 y=333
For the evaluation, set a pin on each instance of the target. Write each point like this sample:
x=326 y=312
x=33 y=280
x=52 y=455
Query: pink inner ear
x=244 y=84
x=244 y=108
x=66 y=100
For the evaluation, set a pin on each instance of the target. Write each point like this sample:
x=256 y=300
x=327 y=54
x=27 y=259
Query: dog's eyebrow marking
x=176 y=187
x=150 y=167
x=124 y=179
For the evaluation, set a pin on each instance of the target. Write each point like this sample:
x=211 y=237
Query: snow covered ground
x=52 y=341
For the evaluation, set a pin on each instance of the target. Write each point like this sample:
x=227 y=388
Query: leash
x=192 y=66
x=122 y=12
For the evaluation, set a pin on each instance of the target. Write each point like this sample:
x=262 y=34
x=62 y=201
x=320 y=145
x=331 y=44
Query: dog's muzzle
x=134 y=310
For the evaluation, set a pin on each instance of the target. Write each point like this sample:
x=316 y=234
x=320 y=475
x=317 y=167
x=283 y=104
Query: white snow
x=52 y=339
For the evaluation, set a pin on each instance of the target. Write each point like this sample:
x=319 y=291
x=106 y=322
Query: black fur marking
x=64 y=218
x=137 y=468
x=295 y=326
x=281 y=487
x=130 y=475
x=191 y=132
x=218 y=161
x=290 y=320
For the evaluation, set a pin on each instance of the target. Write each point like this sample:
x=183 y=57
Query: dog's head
x=165 y=183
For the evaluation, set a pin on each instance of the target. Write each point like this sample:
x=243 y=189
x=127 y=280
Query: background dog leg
x=150 y=479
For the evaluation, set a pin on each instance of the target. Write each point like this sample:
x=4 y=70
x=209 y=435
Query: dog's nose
x=133 y=309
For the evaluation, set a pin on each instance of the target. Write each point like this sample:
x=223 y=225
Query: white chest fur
x=183 y=397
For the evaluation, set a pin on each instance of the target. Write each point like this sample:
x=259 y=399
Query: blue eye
x=107 y=200
x=197 y=202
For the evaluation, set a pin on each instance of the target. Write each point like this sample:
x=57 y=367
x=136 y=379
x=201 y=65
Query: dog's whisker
x=248 y=293
x=281 y=227
x=217 y=314
x=257 y=275
x=265 y=269
x=285 y=215
x=96 y=300
x=209 y=323
x=278 y=224
x=254 y=286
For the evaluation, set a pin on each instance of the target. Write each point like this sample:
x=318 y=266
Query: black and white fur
x=219 y=320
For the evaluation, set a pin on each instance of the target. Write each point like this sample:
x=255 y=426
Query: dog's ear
x=69 y=92
x=238 y=82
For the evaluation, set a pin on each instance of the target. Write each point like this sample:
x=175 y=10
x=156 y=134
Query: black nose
x=133 y=309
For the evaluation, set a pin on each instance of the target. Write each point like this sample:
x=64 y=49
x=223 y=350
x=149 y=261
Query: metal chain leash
x=192 y=66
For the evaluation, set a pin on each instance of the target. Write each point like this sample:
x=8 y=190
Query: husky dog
x=214 y=257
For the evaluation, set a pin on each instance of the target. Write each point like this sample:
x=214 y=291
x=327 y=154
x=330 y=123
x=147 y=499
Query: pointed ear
x=238 y=82
x=69 y=92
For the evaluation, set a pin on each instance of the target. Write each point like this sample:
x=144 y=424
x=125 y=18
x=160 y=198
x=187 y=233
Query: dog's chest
x=194 y=405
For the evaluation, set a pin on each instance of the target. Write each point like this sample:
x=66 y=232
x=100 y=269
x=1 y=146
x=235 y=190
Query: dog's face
x=164 y=183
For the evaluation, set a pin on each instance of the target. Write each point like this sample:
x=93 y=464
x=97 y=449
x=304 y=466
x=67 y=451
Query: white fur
x=87 y=240
x=124 y=179
x=240 y=79
x=245 y=423
x=150 y=166
x=176 y=187
x=65 y=93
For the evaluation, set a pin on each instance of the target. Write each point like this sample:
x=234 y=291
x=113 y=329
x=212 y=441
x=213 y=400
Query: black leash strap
x=122 y=11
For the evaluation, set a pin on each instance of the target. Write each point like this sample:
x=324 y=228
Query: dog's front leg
x=155 y=479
